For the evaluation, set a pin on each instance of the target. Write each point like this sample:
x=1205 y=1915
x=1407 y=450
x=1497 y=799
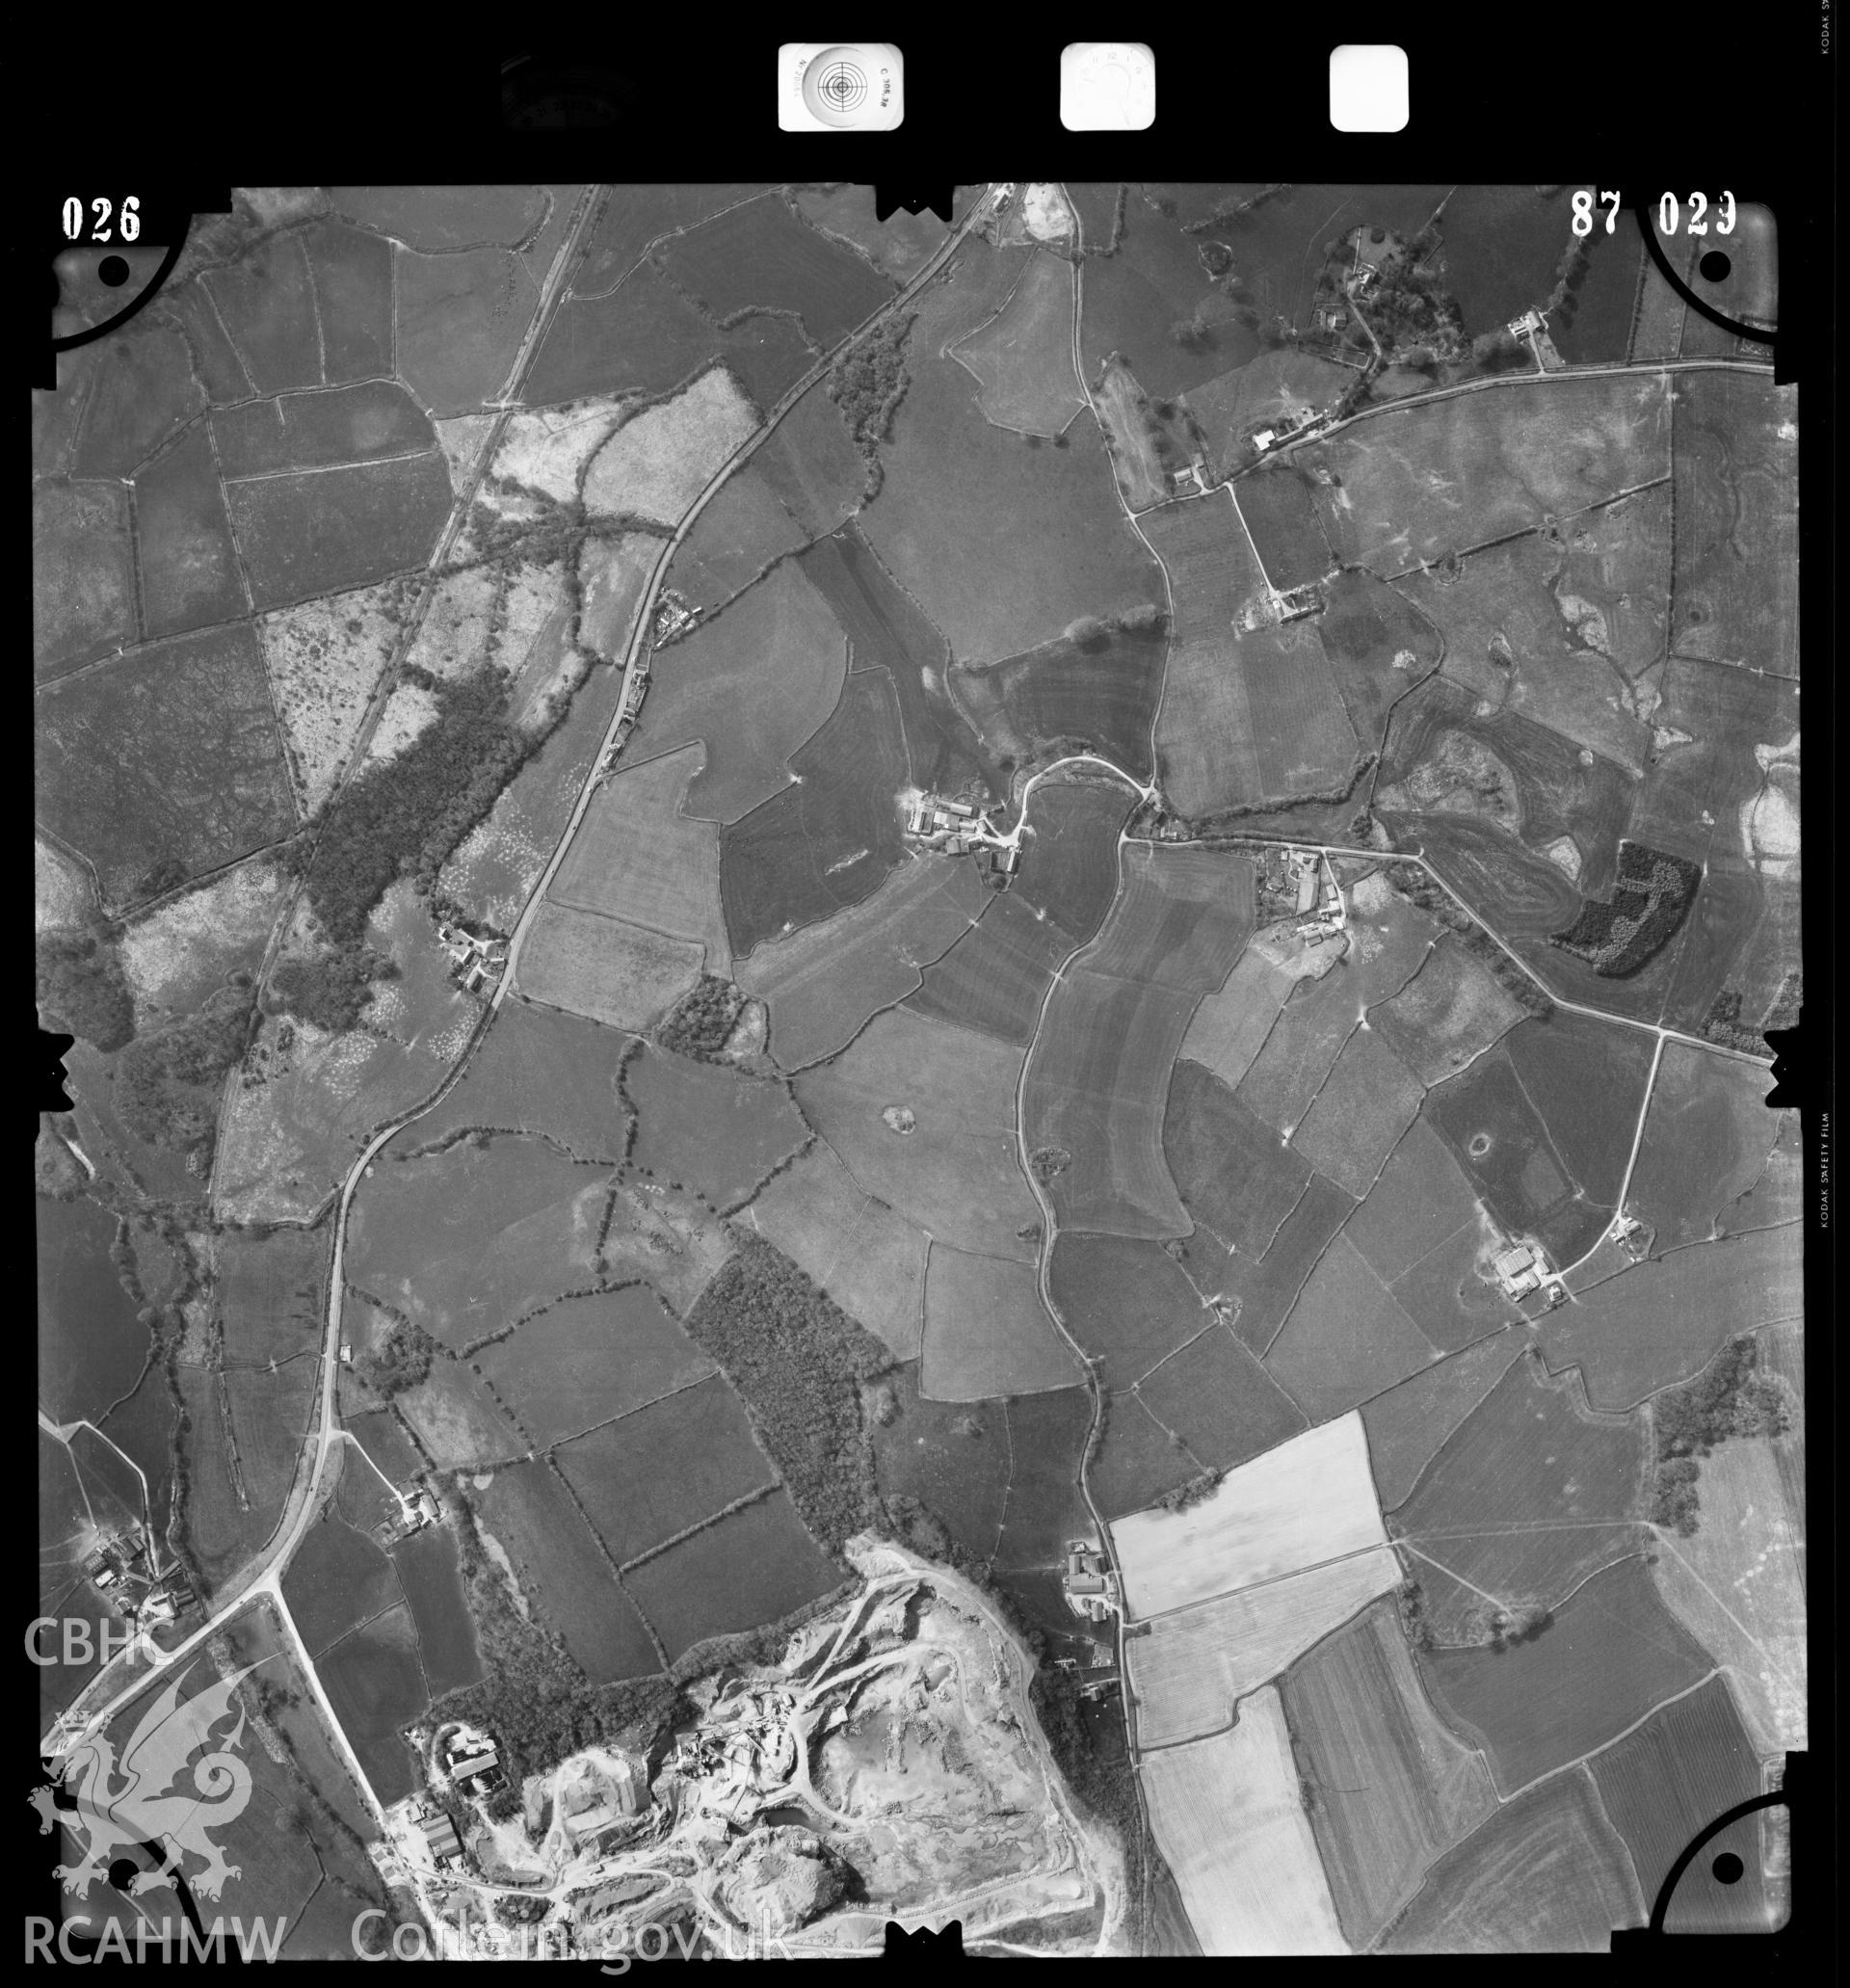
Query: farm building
x=1516 y=1269
x=440 y=1833
x=1091 y=1589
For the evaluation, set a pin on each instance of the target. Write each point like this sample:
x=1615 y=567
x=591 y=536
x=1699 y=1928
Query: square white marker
x=1107 y=86
x=840 y=86
x=1368 y=87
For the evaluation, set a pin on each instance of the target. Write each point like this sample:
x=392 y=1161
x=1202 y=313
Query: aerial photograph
x=917 y=1076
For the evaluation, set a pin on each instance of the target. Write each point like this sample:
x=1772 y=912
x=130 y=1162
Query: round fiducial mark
x=898 y=1119
x=1714 y=267
x=113 y=270
x=1727 y=1867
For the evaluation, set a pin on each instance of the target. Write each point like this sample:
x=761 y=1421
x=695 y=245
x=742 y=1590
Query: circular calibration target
x=834 y=86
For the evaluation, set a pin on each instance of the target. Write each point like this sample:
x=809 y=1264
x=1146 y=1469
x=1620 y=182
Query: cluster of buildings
x=1300 y=884
x=477 y=963
x=957 y=828
x=1533 y=325
x=124 y=1568
x=1523 y=1269
x=416 y=1510
x=1090 y=1586
x=1292 y=426
x=1272 y=608
x=757 y=1755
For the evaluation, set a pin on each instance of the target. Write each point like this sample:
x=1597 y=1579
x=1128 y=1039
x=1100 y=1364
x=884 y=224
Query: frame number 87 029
x=1583 y=211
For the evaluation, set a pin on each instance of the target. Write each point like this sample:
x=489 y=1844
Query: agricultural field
x=994 y=980
x=1660 y=1321
x=189 y=565
x=758 y=257
x=1544 y=450
x=1262 y=391
x=638 y=857
x=335 y=529
x=1599 y=1664
x=953 y=1456
x=1099 y=687
x=1190 y=1670
x=751 y=684
x=1205 y=742
x=1345 y=1340
x=83 y=575
x=269 y=1294
x=661 y=459
x=635 y=217
x=720 y=1131
x=812 y=466
x=1237 y=1177
x=374 y=1678
x=1357 y=1119
x=1098 y=1076
x=1308 y=1500
x=606 y=969
x=1706 y=1140
x=1379 y=645
x=923 y=1115
x=338 y=1580
x=1138 y=1461
x=1230 y=1026
x=314 y=430
x=562 y=1573
x=1736 y=559
x=1261 y=1291
x=466 y=1241
x=952 y=556
x=1547 y=1874
x=736 y=540
x=1664 y=1784
x=178 y=955
x=546 y=449
x=1228 y=1814
x=585 y=1361
x=266 y=303
x=829 y=840
x=1529 y=1497
x=867 y=1257
x=1217 y=1399
x=752 y=1566
x=665 y=1467
x=987 y=1332
x=821 y=985
x=1388 y=1786
x=1023 y=357
x=458 y=1420
x=1445 y=1017
x=1045 y=1508
x=162 y=770
x=326 y=658
x=897 y=245
x=1127 y=1302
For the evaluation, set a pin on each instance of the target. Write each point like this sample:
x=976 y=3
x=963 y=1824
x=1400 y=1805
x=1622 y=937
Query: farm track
x=262 y=1575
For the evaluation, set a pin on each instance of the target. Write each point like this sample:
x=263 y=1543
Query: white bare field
x=1310 y=1500
x=1191 y=1668
x=1228 y=1814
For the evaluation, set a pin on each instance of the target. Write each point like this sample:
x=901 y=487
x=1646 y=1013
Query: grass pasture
x=1587 y=1080
x=1099 y=1078
x=375 y=1682
x=1047 y=1434
x=1264 y=1290
x=897 y=245
x=585 y=1361
x=1219 y=1401
x=1104 y=691
x=312 y=431
x=821 y=984
x=1205 y=746
x=1193 y=1667
x=1137 y=1461
x=664 y=1468
x=143 y=392
x=272 y=1412
x=541 y=1071
x=1308 y=1500
x=1262 y=390
x=752 y=684
x=1228 y=1814
x=606 y=969
x=709 y=1124
x=1345 y=1340
x=1277 y=510
x=758 y=255
x=269 y=1294
x=639 y=337
x=1617 y=560
x=952 y=1456
x=1299 y=1052
x=458 y=1420
x=827 y=842
x=755 y=1565
x=1737 y=560
x=1300 y=731
x=1547 y=1873
x=337 y=528
x=955 y=1173
x=995 y=978
x=1023 y=357
x=1367 y=1101
x=1448 y=1013
x=1600 y=327
x=1532 y=449
x=959 y=493
x=1660 y=1321
x=562 y=1573
x=434 y=218
x=323 y=674
x=661 y=459
x=1070 y=871
x=1664 y=1784
x=461 y=317
x=987 y=1332
x=1126 y=1301
x=1388 y=1786
x=163 y=762
x=1612 y=1652
x=867 y=1257
x=1230 y=1026
x=637 y=857
x=464 y=1241
x=1135 y=446
x=1378 y=645
x=1528 y=1497
x=1420 y=1199
x=338 y=1580
x=266 y=303
x=812 y=466
x=353 y=276
x=428 y=1573
x=633 y=217
x=83 y=574
x=1502 y=244
x=739 y=533
x=189 y=565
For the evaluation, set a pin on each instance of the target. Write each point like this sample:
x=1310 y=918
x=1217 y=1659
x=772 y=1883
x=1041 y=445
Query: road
x=263 y=1574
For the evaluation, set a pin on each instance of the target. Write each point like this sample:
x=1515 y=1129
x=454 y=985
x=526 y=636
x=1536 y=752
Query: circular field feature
x=898 y=1119
x=1480 y=1145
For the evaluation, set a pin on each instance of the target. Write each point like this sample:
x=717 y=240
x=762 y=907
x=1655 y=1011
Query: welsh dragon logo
x=166 y=1799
